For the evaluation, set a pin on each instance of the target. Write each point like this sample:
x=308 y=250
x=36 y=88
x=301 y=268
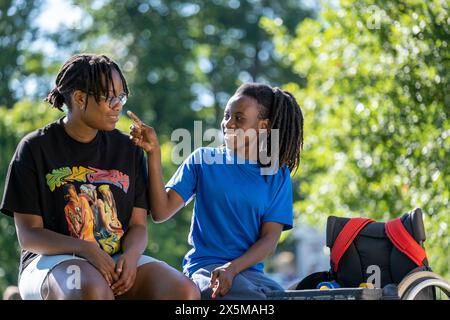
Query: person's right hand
x=101 y=261
x=143 y=135
x=221 y=280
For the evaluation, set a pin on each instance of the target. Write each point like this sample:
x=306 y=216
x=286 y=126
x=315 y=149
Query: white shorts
x=34 y=275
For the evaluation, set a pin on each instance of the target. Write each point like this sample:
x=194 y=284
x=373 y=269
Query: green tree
x=148 y=39
x=15 y=123
x=168 y=240
x=231 y=48
x=16 y=34
x=182 y=57
x=377 y=108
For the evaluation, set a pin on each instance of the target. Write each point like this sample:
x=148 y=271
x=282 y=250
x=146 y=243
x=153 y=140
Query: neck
x=250 y=151
x=245 y=153
x=78 y=130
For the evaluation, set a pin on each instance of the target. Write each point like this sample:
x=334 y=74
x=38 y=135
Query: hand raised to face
x=143 y=135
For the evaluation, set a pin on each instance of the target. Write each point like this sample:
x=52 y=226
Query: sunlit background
x=372 y=78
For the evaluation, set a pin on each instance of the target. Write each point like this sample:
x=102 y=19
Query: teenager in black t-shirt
x=77 y=191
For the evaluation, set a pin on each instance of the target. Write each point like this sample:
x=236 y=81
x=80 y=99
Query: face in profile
x=241 y=124
x=104 y=114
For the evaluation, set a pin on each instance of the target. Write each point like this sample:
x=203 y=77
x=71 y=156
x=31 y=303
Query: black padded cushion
x=373 y=247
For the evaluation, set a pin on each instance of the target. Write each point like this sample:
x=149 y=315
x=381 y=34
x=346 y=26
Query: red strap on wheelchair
x=345 y=238
x=404 y=242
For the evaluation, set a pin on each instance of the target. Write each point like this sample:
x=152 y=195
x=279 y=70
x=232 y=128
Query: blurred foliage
x=15 y=123
x=168 y=240
x=14 y=28
x=184 y=57
x=377 y=108
x=25 y=69
x=371 y=76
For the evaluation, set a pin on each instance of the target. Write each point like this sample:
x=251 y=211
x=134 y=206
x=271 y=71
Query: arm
x=135 y=240
x=34 y=237
x=260 y=250
x=133 y=246
x=163 y=204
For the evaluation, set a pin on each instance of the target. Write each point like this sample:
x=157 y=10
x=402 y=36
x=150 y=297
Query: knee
x=188 y=291
x=92 y=290
x=89 y=287
x=86 y=284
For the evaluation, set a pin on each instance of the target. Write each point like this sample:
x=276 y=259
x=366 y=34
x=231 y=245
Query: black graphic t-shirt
x=83 y=190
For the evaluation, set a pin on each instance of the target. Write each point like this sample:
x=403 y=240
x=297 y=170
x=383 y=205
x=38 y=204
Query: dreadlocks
x=89 y=73
x=284 y=114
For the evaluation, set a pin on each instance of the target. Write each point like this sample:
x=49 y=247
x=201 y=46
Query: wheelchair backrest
x=371 y=249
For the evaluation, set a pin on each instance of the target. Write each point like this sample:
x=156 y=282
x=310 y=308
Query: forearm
x=258 y=252
x=157 y=193
x=162 y=207
x=135 y=240
x=47 y=242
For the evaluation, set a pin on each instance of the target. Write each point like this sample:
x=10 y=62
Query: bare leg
x=159 y=281
x=92 y=285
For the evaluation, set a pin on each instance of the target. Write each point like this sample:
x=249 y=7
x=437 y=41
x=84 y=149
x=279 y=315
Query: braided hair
x=284 y=114
x=90 y=73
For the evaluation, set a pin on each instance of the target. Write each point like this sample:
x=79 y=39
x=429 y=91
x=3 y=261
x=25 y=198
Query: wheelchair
x=372 y=260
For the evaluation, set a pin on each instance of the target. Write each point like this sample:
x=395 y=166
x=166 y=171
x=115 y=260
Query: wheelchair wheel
x=424 y=285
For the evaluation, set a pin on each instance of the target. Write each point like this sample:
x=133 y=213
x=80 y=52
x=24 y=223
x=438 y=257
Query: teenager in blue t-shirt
x=242 y=203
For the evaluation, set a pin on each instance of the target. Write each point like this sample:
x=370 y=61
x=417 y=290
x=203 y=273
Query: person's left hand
x=221 y=280
x=126 y=268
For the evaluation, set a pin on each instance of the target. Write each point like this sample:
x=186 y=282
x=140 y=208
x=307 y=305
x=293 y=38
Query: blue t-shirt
x=231 y=203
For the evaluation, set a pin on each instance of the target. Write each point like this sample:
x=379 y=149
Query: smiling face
x=101 y=115
x=241 y=123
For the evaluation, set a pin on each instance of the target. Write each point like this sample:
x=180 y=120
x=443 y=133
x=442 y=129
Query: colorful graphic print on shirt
x=91 y=212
